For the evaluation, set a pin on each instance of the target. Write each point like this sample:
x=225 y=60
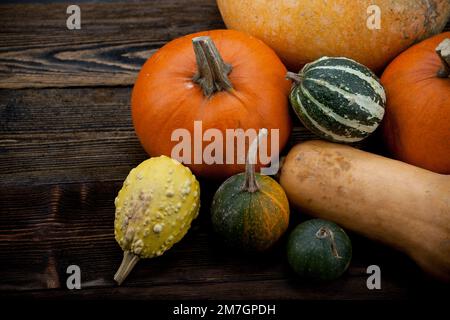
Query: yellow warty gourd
x=154 y=210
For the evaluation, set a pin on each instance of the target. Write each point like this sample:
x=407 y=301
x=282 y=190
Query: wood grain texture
x=37 y=50
x=66 y=135
x=67 y=143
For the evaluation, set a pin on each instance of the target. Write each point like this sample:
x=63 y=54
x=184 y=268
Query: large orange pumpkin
x=301 y=31
x=238 y=83
x=417 y=122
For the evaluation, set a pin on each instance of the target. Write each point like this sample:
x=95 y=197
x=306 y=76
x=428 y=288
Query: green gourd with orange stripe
x=338 y=99
x=250 y=211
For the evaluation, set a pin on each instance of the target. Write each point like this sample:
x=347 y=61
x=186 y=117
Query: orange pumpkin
x=417 y=122
x=226 y=79
x=302 y=31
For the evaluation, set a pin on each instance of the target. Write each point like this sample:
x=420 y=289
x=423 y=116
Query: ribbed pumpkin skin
x=250 y=221
x=302 y=31
x=312 y=258
x=165 y=97
x=339 y=99
x=417 y=124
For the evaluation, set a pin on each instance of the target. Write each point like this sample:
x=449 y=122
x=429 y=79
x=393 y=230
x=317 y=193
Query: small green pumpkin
x=250 y=211
x=338 y=99
x=319 y=250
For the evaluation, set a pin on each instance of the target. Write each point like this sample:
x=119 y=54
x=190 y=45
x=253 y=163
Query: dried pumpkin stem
x=250 y=184
x=297 y=78
x=443 y=51
x=128 y=262
x=327 y=233
x=213 y=72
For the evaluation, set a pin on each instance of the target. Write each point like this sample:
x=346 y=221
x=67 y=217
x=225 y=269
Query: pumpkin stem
x=213 y=72
x=128 y=262
x=443 y=51
x=250 y=183
x=297 y=78
x=327 y=233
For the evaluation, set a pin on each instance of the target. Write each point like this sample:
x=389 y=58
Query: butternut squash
x=386 y=200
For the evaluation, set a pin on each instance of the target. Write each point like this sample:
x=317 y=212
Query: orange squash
x=302 y=31
x=224 y=78
x=417 y=122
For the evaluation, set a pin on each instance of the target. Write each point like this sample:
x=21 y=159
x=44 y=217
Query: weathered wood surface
x=37 y=50
x=67 y=143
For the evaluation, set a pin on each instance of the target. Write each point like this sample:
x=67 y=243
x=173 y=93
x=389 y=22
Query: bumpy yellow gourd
x=154 y=210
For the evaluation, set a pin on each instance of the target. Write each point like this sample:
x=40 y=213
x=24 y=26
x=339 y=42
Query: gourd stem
x=443 y=51
x=327 y=233
x=297 y=78
x=128 y=262
x=250 y=184
x=213 y=72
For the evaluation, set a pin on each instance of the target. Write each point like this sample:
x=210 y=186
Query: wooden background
x=67 y=143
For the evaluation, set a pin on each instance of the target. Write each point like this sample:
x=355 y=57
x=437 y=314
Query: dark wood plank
x=247 y=290
x=37 y=49
x=77 y=135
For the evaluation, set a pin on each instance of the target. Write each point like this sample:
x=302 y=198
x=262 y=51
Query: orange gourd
x=224 y=78
x=302 y=31
x=416 y=126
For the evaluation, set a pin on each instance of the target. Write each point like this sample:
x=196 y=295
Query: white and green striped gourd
x=338 y=99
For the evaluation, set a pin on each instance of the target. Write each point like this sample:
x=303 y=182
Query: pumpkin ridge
x=354 y=97
x=264 y=207
x=235 y=94
x=329 y=123
x=314 y=126
x=298 y=109
x=273 y=199
x=363 y=84
x=301 y=113
x=343 y=62
x=179 y=109
x=351 y=122
x=339 y=103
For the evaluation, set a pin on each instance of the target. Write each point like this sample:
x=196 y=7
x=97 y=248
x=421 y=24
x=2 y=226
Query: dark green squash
x=338 y=99
x=250 y=211
x=319 y=250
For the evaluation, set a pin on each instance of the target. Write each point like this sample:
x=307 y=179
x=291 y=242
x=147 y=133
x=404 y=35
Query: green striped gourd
x=338 y=99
